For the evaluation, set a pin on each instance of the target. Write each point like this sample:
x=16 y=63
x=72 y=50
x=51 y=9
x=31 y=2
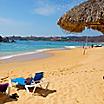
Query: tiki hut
x=89 y=14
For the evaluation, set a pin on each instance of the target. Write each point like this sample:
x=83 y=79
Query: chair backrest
x=38 y=76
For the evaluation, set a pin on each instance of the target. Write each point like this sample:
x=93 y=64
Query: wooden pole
x=85 y=47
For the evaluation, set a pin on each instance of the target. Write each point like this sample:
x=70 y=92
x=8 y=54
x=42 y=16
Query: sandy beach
x=73 y=78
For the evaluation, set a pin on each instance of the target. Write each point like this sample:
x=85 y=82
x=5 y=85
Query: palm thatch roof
x=88 y=14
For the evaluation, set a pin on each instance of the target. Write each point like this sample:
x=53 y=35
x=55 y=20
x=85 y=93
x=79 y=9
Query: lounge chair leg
x=9 y=88
x=27 y=89
x=47 y=85
x=34 y=89
x=40 y=86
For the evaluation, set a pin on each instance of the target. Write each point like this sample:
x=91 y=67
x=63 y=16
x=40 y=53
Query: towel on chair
x=3 y=87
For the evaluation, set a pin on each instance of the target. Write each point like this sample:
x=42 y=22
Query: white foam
x=5 y=57
x=70 y=47
x=26 y=53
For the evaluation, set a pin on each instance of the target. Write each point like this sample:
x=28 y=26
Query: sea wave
x=70 y=47
x=26 y=53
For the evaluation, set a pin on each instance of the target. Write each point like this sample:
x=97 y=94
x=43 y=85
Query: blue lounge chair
x=35 y=81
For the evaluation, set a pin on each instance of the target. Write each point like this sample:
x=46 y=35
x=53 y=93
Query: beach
x=73 y=78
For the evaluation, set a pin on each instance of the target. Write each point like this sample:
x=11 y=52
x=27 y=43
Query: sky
x=35 y=17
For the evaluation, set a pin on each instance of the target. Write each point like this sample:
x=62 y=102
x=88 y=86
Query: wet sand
x=26 y=57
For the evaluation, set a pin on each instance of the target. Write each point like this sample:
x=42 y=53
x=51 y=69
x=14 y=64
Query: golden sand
x=74 y=78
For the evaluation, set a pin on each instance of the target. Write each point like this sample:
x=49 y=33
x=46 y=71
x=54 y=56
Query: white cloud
x=12 y=27
x=11 y=22
x=46 y=10
x=5 y=21
x=48 y=7
x=44 y=7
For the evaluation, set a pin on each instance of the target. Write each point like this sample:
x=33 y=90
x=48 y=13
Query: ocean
x=8 y=50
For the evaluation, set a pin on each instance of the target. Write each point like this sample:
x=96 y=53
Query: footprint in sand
x=101 y=70
x=82 y=71
x=93 y=68
x=67 y=69
x=91 y=71
x=86 y=71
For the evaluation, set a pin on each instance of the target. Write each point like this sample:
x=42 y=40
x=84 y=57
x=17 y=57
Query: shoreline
x=41 y=53
x=24 y=54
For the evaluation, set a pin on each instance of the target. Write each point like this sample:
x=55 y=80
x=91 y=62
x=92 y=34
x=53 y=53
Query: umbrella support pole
x=84 y=51
x=85 y=48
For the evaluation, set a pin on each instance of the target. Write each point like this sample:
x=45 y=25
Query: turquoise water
x=30 y=46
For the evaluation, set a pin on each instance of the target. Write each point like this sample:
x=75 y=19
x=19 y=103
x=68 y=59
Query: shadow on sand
x=39 y=91
x=43 y=92
x=5 y=98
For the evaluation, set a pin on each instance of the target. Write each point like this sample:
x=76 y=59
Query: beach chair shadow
x=39 y=91
x=19 y=87
x=43 y=92
x=5 y=98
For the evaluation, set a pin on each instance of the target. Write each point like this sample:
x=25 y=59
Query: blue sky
x=35 y=17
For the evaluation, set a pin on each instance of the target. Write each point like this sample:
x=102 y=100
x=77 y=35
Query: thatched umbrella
x=88 y=14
